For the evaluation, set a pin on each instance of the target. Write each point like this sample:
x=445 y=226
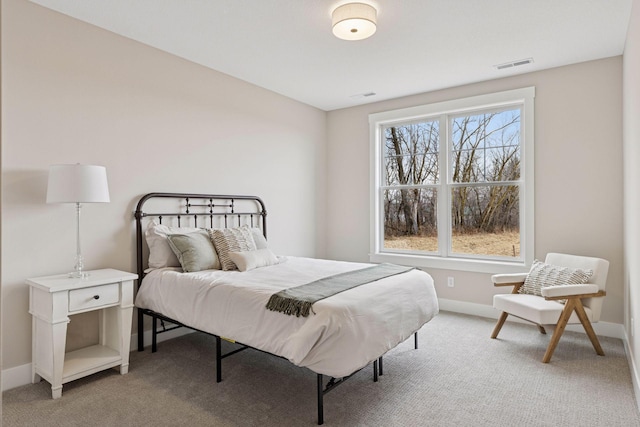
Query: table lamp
x=77 y=184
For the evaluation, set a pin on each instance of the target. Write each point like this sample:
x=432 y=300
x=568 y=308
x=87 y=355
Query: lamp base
x=79 y=272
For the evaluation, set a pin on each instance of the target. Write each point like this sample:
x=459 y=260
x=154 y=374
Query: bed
x=230 y=296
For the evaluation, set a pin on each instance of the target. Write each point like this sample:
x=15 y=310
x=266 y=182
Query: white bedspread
x=347 y=331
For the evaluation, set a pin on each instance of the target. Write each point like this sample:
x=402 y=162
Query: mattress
x=344 y=332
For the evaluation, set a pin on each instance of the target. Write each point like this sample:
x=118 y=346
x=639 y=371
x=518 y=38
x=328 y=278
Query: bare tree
x=485 y=157
x=482 y=152
x=412 y=159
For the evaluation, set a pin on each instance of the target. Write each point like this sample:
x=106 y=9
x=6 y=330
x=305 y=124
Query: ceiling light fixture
x=354 y=21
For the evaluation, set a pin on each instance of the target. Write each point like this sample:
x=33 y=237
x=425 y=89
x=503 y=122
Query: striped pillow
x=227 y=240
x=544 y=275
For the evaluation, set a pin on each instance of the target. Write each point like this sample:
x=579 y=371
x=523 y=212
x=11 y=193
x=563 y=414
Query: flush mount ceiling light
x=354 y=21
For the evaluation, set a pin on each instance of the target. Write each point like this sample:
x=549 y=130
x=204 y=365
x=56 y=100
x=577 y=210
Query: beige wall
x=578 y=173
x=631 y=135
x=0 y=210
x=75 y=93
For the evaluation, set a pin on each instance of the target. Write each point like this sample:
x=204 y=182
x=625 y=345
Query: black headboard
x=196 y=210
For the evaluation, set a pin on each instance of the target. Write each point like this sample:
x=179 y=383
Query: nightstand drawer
x=88 y=298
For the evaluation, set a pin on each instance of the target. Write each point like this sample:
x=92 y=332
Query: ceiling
x=287 y=46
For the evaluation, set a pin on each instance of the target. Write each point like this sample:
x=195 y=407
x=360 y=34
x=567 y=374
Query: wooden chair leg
x=498 y=326
x=557 y=333
x=587 y=327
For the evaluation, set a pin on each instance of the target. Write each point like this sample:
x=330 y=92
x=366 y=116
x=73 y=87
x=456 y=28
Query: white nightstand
x=52 y=299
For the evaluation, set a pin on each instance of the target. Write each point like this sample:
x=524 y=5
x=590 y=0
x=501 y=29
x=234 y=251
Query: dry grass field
x=502 y=244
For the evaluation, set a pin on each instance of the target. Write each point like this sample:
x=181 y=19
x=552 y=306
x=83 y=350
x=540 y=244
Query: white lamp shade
x=77 y=184
x=354 y=21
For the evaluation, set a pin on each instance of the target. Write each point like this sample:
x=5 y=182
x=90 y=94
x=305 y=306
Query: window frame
x=524 y=98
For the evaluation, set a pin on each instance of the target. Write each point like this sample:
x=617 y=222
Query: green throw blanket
x=298 y=300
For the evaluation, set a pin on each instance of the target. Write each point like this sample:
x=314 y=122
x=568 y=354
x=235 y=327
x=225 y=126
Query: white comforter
x=347 y=331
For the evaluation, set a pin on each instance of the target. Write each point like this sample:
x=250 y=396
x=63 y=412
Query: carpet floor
x=458 y=377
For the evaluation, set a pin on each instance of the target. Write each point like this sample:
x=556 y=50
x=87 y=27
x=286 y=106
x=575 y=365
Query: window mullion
x=378 y=177
x=444 y=194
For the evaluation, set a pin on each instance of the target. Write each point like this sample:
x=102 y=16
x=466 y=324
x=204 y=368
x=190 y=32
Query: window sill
x=426 y=262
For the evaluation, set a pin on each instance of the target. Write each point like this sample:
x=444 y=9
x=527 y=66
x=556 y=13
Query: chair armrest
x=508 y=279
x=564 y=291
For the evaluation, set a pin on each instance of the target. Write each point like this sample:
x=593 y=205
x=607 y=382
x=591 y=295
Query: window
x=452 y=183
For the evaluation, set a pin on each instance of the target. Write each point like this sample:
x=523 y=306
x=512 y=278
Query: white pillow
x=160 y=253
x=249 y=260
x=259 y=239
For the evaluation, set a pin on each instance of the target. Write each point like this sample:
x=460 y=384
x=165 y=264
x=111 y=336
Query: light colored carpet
x=458 y=377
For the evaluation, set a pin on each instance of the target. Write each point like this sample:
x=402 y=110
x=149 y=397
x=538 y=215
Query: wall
x=0 y=210
x=76 y=93
x=631 y=135
x=578 y=174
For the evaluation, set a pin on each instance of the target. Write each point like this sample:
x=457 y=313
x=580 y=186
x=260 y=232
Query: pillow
x=249 y=260
x=195 y=251
x=259 y=239
x=160 y=253
x=227 y=240
x=544 y=275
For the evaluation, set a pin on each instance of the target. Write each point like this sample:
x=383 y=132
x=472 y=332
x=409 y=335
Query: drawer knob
x=96 y=297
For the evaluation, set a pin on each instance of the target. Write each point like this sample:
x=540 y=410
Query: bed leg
x=154 y=334
x=375 y=371
x=140 y=330
x=380 y=366
x=320 y=400
x=218 y=359
x=415 y=339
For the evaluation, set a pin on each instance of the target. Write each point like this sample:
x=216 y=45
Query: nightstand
x=52 y=299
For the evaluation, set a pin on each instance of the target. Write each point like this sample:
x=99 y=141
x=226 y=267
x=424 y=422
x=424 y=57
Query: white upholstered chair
x=583 y=301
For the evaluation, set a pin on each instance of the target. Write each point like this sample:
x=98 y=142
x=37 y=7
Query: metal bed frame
x=216 y=211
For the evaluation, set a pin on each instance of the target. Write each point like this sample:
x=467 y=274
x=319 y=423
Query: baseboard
x=21 y=375
x=174 y=333
x=605 y=329
x=635 y=378
x=16 y=377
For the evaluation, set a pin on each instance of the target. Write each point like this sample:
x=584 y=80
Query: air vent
x=514 y=63
x=363 y=95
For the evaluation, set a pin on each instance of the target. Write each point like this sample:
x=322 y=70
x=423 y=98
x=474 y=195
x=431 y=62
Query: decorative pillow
x=259 y=239
x=544 y=275
x=195 y=251
x=227 y=240
x=249 y=260
x=160 y=253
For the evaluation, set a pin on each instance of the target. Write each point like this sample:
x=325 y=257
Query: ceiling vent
x=514 y=63
x=363 y=95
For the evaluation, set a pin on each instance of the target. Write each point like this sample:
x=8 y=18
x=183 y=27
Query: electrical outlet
x=450 y=282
